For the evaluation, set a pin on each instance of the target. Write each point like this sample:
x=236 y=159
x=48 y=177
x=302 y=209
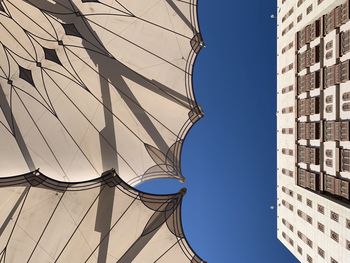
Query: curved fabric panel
x=103 y=220
x=91 y=85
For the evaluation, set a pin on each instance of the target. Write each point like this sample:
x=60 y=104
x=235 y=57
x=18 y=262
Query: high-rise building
x=313 y=119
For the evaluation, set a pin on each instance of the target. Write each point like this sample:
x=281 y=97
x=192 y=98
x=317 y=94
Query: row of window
x=308 y=130
x=320 y=208
x=336 y=186
x=288 y=239
x=334 y=19
x=288 y=14
x=287 y=191
x=333 y=235
x=287 y=151
x=305 y=239
x=345 y=160
x=304 y=216
x=344 y=42
x=287 y=130
x=287 y=205
x=287 y=47
x=287 y=68
x=333 y=75
x=287 y=224
x=287 y=29
x=308 y=82
x=308 y=106
x=329 y=154
x=287 y=172
x=336 y=74
x=309 y=180
x=308 y=155
x=287 y=110
x=328 y=104
x=308 y=58
x=336 y=131
x=308 y=33
x=287 y=89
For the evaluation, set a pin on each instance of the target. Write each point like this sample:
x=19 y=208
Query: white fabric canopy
x=91 y=85
x=102 y=220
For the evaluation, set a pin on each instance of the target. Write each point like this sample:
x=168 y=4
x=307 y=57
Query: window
x=348 y=223
x=329 y=45
x=309 y=9
x=344 y=42
x=345 y=160
x=287 y=47
x=309 y=219
x=300 y=2
x=329 y=108
x=287 y=151
x=300 y=235
x=347 y=245
x=287 y=110
x=299 y=18
x=320 y=252
x=320 y=209
x=287 y=130
x=337 y=131
x=329 y=163
x=289 y=240
x=338 y=186
x=346 y=106
x=346 y=96
x=320 y=227
x=287 y=89
x=309 y=259
x=334 y=236
x=344 y=71
x=308 y=179
x=287 y=172
x=287 y=205
x=329 y=22
x=300 y=250
x=318 y=2
x=329 y=54
x=329 y=153
x=309 y=242
x=333 y=260
x=299 y=197
x=334 y=216
x=309 y=203
x=329 y=99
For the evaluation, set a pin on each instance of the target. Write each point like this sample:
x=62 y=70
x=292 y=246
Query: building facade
x=313 y=119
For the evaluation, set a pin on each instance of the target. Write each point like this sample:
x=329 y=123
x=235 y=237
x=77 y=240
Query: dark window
x=320 y=209
x=334 y=216
x=320 y=252
x=334 y=236
x=320 y=227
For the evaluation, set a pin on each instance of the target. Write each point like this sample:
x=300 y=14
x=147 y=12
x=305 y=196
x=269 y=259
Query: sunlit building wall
x=313 y=115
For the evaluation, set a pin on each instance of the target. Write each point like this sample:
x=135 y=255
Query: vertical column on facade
x=322 y=83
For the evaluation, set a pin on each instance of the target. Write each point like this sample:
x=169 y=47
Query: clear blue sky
x=229 y=157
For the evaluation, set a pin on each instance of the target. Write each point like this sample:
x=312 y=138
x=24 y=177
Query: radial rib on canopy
x=87 y=86
x=44 y=220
